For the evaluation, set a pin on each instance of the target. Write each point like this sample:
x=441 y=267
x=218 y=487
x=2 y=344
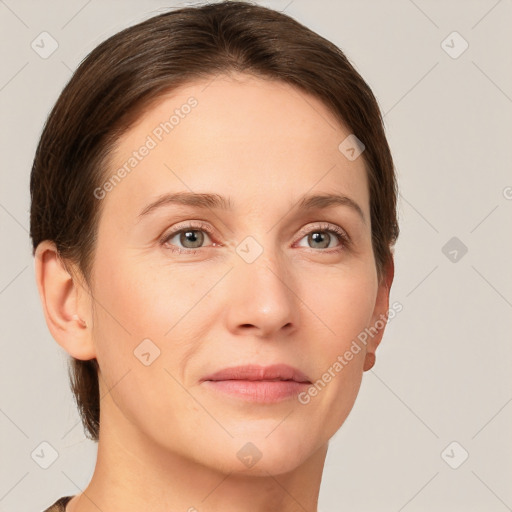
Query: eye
x=324 y=236
x=190 y=237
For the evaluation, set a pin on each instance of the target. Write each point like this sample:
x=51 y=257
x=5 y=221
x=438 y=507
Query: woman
x=213 y=216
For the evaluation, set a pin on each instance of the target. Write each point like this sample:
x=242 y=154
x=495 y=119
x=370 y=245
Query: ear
x=380 y=314
x=66 y=303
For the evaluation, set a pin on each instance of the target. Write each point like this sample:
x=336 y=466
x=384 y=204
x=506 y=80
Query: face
x=260 y=277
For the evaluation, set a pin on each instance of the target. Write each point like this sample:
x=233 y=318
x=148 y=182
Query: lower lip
x=264 y=391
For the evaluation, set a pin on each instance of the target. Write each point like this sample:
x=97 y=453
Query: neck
x=133 y=473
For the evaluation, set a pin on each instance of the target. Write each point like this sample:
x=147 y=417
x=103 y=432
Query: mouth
x=264 y=384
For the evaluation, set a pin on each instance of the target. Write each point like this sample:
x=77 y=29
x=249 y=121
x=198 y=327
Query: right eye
x=191 y=237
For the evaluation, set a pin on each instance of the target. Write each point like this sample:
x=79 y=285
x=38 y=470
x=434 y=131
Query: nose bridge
x=263 y=294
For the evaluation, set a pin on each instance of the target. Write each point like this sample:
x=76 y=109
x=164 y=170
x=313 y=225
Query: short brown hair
x=121 y=78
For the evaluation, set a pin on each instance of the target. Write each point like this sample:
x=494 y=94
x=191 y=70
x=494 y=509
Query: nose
x=262 y=301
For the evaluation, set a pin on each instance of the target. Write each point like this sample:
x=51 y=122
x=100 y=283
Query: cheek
x=143 y=301
x=137 y=301
x=127 y=312
x=137 y=359
x=343 y=301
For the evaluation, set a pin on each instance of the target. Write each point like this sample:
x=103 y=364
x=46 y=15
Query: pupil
x=191 y=237
x=320 y=238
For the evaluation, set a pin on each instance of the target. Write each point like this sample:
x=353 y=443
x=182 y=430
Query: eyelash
x=192 y=226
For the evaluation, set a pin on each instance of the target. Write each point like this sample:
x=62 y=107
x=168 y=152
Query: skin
x=167 y=442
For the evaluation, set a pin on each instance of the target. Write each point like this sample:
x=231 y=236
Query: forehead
x=259 y=141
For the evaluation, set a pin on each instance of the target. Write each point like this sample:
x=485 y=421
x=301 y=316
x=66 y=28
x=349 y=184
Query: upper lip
x=255 y=372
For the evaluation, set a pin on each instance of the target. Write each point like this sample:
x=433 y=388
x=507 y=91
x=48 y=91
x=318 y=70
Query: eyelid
x=187 y=225
x=326 y=226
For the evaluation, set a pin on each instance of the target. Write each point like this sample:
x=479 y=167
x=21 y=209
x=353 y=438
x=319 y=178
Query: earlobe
x=65 y=303
x=369 y=361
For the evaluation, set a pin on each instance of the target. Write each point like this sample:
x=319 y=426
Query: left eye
x=322 y=238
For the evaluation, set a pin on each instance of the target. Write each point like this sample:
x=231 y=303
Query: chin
x=261 y=455
x=270 y=463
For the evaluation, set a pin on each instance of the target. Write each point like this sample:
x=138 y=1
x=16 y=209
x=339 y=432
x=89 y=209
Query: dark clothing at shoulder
x=59 y=505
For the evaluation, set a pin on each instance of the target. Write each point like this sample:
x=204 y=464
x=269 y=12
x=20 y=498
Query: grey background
x=443 y=368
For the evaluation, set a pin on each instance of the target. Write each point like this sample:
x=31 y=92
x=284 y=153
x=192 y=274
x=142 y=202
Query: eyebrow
x=216 y=201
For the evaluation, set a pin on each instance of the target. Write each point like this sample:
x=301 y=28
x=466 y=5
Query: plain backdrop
x=431 y=427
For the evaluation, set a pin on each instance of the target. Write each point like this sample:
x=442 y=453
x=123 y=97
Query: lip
x=253 y=372
x=264 y=384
